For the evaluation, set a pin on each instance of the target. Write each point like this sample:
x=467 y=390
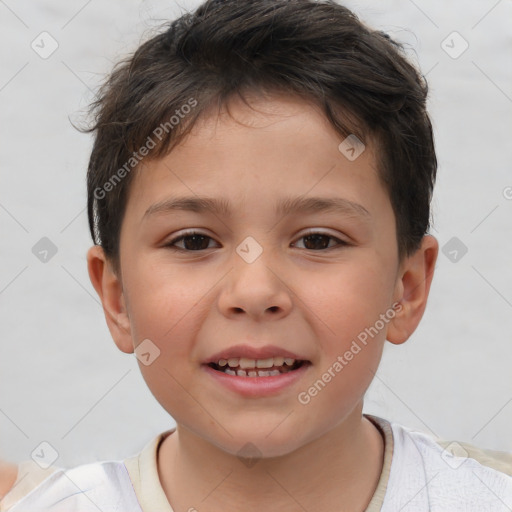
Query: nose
x=258 y=289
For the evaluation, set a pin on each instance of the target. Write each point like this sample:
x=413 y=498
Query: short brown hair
x=318 y=50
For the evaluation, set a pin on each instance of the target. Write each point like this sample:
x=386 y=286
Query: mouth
x=256 y=372
x=250 y=368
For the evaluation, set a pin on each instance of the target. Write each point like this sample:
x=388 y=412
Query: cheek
x=162 y=301
x=347 y=300
x=167 y=308
x=350 y=331
x=170 y=320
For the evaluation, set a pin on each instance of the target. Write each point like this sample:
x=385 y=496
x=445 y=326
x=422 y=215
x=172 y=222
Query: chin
x=249 y=451
x=257 y=441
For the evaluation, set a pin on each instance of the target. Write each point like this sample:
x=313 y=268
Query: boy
x=259 y=193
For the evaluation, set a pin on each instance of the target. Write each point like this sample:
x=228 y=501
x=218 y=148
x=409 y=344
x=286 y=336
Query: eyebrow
x=286 y=206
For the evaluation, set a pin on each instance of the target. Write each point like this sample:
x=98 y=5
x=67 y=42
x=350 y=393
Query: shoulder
x=101 y=484
x=498 y=460
x=8 y=475
x=433 y=474
x=16 y=481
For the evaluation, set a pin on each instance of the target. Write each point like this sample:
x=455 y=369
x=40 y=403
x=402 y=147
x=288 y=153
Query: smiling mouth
x=270 y=367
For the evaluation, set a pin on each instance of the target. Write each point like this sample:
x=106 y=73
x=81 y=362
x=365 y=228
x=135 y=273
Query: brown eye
x=320 y=241
x=193 y=241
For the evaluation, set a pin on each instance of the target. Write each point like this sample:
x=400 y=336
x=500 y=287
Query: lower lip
x=257 y=386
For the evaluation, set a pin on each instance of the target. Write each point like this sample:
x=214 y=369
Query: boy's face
x=256 y=281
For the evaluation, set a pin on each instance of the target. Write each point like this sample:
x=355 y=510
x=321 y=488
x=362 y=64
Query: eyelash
x=187 y=234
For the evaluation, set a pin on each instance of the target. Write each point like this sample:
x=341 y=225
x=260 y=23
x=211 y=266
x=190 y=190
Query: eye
x=192 y=241
x=318 y=240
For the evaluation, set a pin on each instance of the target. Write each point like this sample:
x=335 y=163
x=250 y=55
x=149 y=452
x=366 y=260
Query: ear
x=110 y=290
x=412 y=289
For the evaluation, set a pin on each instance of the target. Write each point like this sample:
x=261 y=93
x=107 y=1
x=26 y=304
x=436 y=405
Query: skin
x=296 y=295
x=8 y=475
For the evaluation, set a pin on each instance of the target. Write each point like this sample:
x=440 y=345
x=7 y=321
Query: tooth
x=222 y=362
x=263 y=374
x=233 y=362
x=230 y=372
x=274 y=372
x=278 y=361
x=247 y=363
x=252 y=374
x=241 y=373
x=265 y=363
x=289 y=361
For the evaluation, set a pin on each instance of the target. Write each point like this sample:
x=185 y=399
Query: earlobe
x=110 y=291
x=412 y=290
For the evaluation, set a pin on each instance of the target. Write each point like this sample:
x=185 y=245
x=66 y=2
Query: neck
x=338 y=471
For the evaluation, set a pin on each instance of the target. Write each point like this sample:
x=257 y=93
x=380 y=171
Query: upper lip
x=251 y=352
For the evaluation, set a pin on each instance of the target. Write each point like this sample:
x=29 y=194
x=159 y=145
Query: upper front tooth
x=247 y=363
x=265 y=363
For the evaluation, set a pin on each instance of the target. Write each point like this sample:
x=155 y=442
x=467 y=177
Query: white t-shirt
x=418 y=475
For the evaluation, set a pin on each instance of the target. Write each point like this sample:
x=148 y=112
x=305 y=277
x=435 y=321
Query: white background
x=63 y=380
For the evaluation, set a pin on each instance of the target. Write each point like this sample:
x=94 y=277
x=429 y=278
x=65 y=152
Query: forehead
x=272 y=151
